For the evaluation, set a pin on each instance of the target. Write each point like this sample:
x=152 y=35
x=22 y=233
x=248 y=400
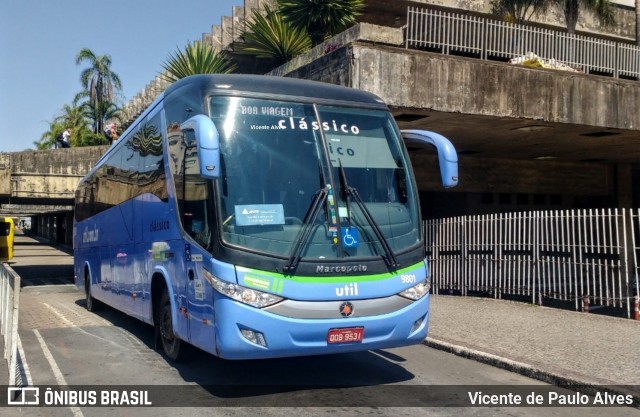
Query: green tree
x=269 y=36
x=100 y=82
x=197 y=58
x=94 y=111
x=603 y=9
x=320 y=18
x=73 y=116
x=518 y=11
x=48 y=138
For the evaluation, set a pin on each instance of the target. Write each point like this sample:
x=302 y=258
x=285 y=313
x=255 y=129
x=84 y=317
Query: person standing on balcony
x=66 y=138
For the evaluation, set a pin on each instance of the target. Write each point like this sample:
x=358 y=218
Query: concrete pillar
x=238 y=22
x=216 y=37
x=227 y=31
x=624 y=194
x=68 y=239
x=624 y=183
x=51 y=227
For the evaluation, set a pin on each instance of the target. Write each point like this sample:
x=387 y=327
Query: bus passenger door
x=195 y=215
x=200 y=299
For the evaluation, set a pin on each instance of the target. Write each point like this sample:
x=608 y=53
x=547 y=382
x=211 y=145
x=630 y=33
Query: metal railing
x=9 y=303
x=486 y=38
x=587 y=257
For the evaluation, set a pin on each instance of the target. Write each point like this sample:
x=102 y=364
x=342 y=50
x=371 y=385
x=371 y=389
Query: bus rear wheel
x=170 y=343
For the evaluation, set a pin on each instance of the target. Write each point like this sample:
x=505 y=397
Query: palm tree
x=197 y=58
x=603 y=9
x=48 y=138
x=100 y=82
x=518 y=11
x=320 y=17
x=269 y=36
x=93 y=111
x=72 y=116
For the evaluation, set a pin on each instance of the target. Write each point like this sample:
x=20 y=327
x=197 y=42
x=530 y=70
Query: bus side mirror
x=208 y=141
x=447 y=155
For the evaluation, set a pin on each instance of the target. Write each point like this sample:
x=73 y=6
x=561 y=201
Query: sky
x=40 y=39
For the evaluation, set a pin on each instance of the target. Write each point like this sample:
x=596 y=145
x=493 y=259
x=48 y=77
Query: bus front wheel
x=170 y=343
x=90 y=302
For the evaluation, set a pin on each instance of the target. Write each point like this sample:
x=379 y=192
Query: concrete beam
x=416 y=79
x=490 y=175
x=27 y=210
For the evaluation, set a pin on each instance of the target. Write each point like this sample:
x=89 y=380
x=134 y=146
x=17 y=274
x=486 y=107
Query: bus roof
x=243 y=84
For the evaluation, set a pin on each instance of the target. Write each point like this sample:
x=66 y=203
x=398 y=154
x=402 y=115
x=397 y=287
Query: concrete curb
x=528 y=370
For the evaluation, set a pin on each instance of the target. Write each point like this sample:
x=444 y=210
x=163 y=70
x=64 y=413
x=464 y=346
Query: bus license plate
x=345 y=335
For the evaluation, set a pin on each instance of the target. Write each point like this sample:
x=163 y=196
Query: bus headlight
x=417 y=291
x=245 y=295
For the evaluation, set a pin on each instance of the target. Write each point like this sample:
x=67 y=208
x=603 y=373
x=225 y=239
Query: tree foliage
x=101 y=84
x=48 y=138
x=197 y=58
x=269 y=36
x=320 y=18
x=603 y=10
x=519 y=11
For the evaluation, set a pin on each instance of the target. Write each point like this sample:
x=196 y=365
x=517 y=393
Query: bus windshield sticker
x=350 y=237
x=199 y=290
x=196 y=226
x=360 y=151
x=259 y=214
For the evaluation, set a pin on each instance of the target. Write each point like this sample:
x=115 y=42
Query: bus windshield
x=278 y=156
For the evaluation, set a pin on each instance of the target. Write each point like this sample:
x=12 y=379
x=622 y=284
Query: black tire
x=170 y=342
x=90 y=303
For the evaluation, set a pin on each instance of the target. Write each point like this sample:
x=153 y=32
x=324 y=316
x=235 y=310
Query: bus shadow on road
x=328 y=379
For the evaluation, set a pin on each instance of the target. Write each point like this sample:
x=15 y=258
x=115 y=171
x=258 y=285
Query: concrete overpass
x=41 y=185
x=528 y=138
x=522 y=133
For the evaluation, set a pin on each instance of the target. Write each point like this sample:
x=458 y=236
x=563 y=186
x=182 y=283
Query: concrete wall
x=503 y=176
x=50 y=174
x=223 y=35
x=407 y=78
x=587 y=22
x=5 y=174
x=366 y=58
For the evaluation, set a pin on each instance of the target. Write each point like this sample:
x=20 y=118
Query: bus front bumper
x=245 y=332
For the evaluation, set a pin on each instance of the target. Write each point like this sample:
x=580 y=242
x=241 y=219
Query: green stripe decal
x=320 y=279
x=255 y=282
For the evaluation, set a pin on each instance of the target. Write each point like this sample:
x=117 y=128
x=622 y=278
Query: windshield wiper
x=318 y=201
x=348 y=192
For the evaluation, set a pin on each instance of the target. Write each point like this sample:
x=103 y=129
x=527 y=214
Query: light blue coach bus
x=260 y=217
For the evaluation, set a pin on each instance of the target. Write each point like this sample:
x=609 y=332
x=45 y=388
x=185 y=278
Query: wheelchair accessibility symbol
x=350 y=237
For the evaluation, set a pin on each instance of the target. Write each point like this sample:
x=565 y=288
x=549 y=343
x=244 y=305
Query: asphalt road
x=64 y=345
